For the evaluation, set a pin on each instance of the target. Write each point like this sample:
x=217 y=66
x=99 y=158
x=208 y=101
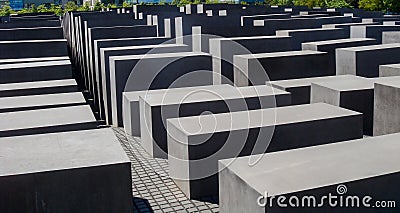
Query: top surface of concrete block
x=397 y=66
x=257 y=118
x=159 y=55
x=349 y=84
x=41 y=100
x=307 y=81
x=37 y=84
x=46 y=117
x=34 y=41
x=389 y=81
x=250 y=38
x=371 y=47
x=19 y=60
x=338 y=41
x=280 y=54
x=205 y=95
x=34 y=64
x=59 y=151
x=288 y=32
x=317 y=166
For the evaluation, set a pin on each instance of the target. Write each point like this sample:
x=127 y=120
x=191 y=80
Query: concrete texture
x=386 y=106
x=38 y=88
x=390 y=37
x=131 y=110
x=346 y=26
x=35 y=71
x=196 y=143
x=38 y=33
x=330 y=47
x=365 y=60
x=364 y=172
x=88 y=171
x=39 y=48
x=155 y=71
x=156 y=109
x=46 y=121
x=300 y=89
x=371 y=31
x=256 y=69
x=356 y=94
x=389 y=70
x=32 y=102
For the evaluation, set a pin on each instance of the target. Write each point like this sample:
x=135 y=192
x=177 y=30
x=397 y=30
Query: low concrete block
x=371 y=31
x=47 y=121
x=390 y=37
x=312 y=172
x=38 y=88
x=156 y=109
x=80 y=171
x=196 y=143
x=389 y=70
x=256 y=69
x=300 y=89
x=35 y=71
x=365 y=60
x=37 y=48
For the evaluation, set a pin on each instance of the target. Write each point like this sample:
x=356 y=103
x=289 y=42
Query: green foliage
x=392 y=5
x=196 y=2
x=84 y=7
x=279 y=2
x=6 y=10
x=127 y=4
x=337 y=4
x=376 y=5
x=71 y=6
x=162 y=2
x=98 y=6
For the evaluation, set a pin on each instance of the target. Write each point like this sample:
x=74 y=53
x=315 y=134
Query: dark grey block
x=131 y=110
x=371 y=31
x=37 y=49
x=330 y=47
x=387 y=106
x=32 y=102
x=347 y=26
x=389 y=70
x=38 y=33
x=249 y=20
x=223 y=50
x=357 y=95
x=256 y=69
x=46 y=121
x=35 y=71
x=80 y=171
x=194 y=150
x=155 y=71
x=365 y=60
x=366 y=166
x=156 y=109
x=300 y=89
x=38 y=88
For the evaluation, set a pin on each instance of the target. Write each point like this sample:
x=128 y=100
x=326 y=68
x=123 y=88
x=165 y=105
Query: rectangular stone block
x=35 y=71
x=223 y=50
x=80 y=171
x=300 y=89
x=155 y=71
x=156 y=109
x=389 y=70
x=365 y=60
x=37 y=33
x=131 y=110
x=255 y=69
x=37 y=49
x=38 y=88
x=390 y=37
x=371 y=31
x=347 y=26
x=32 y=102
x=387 y=106
x=46 y=121
x=357 y=95
x=310 y=174
x=330 y=47
x=196 y=143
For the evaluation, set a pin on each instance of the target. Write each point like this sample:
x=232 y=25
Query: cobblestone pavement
x=153 y=190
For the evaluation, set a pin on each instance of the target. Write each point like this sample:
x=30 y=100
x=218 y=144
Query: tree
x=337 y=4
x=392 y=5
x=309 y=3
x=6 y=10
x=71 y=6
x=376 y=5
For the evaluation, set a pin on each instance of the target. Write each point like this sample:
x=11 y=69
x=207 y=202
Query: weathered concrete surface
x=389 y=70
x=38 y=88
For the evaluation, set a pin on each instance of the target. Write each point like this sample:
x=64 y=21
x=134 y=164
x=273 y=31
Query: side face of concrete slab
x=386 y=107
x=88 y=171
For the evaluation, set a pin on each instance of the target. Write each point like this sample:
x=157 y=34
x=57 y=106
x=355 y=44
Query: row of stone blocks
x=53 y=156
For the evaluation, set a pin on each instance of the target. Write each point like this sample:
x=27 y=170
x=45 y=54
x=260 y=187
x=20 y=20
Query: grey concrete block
x=389 y=70
x=357 y=95
x=365 y=60
x=131 y=110
x=38 y=33
x=313 y=171
x=346 y=26
x=28 y=60
x=80 y=171
x=38 y=88
x=196 y=143
x=46 y=121
x=156 y=109
x=300 y=89
x=387 y=106
x=155 y=71
x=37 y=49
x=32 y=102
x=330 y=47
x=223 y=50
x=256 y=69
x=371 y=31
x=390 y=37
x=35 y=71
